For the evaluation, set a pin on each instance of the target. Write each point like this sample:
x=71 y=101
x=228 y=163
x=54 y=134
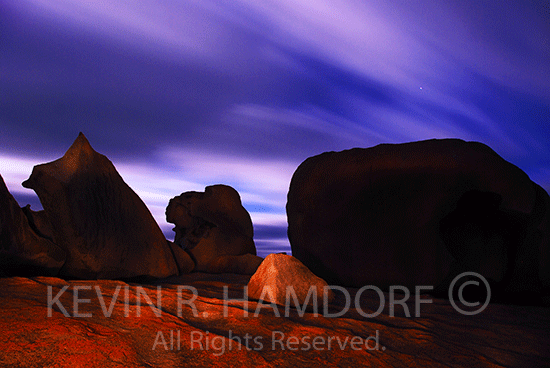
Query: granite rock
x=284 y=280
x=215 y=229
x=23 y=252
x=204 y=322
x=98 y=220
x=420 y=213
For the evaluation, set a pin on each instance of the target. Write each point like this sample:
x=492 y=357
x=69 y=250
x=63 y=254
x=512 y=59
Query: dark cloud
x=58 y=84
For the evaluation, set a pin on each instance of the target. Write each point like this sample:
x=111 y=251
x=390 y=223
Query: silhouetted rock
x=419 y=214
x=214 y=228
x=106 y=229
x=22 y=251
x=283 y=279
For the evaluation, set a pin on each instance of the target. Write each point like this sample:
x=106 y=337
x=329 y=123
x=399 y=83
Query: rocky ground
x=50 y=322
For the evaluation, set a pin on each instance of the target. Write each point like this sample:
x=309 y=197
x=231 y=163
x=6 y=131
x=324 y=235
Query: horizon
x=182 y=96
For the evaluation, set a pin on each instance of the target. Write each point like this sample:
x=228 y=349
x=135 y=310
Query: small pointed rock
x=283 y=279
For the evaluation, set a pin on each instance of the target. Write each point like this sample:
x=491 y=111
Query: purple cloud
x=181 y=95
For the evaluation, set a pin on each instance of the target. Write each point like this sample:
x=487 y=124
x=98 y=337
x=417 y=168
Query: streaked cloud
x=17 y=169
x=181 y=95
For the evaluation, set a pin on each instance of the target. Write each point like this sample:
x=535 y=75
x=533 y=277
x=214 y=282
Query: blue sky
x=184 y=94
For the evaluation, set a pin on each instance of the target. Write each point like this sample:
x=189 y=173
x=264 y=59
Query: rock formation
x=101 y=223
x=22 y=251
x=214 y=331
x=420 y=213
x=244 y=264
x=283 y=279
x=214 y=228
x=183 y=259
x=39 y=222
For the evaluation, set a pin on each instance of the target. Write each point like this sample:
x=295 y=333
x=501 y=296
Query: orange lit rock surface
x=281 y=278
x=94 y=325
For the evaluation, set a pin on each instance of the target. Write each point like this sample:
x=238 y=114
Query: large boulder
x=418 y=214
x=284 y=280
x=23 y=252
x=105 y=228
x=214 y=228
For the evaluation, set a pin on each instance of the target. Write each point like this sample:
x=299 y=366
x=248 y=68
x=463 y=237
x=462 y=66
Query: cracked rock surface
x=100 y=323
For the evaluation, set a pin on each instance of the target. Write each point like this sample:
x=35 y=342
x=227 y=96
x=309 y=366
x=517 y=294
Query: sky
x=188 y=93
